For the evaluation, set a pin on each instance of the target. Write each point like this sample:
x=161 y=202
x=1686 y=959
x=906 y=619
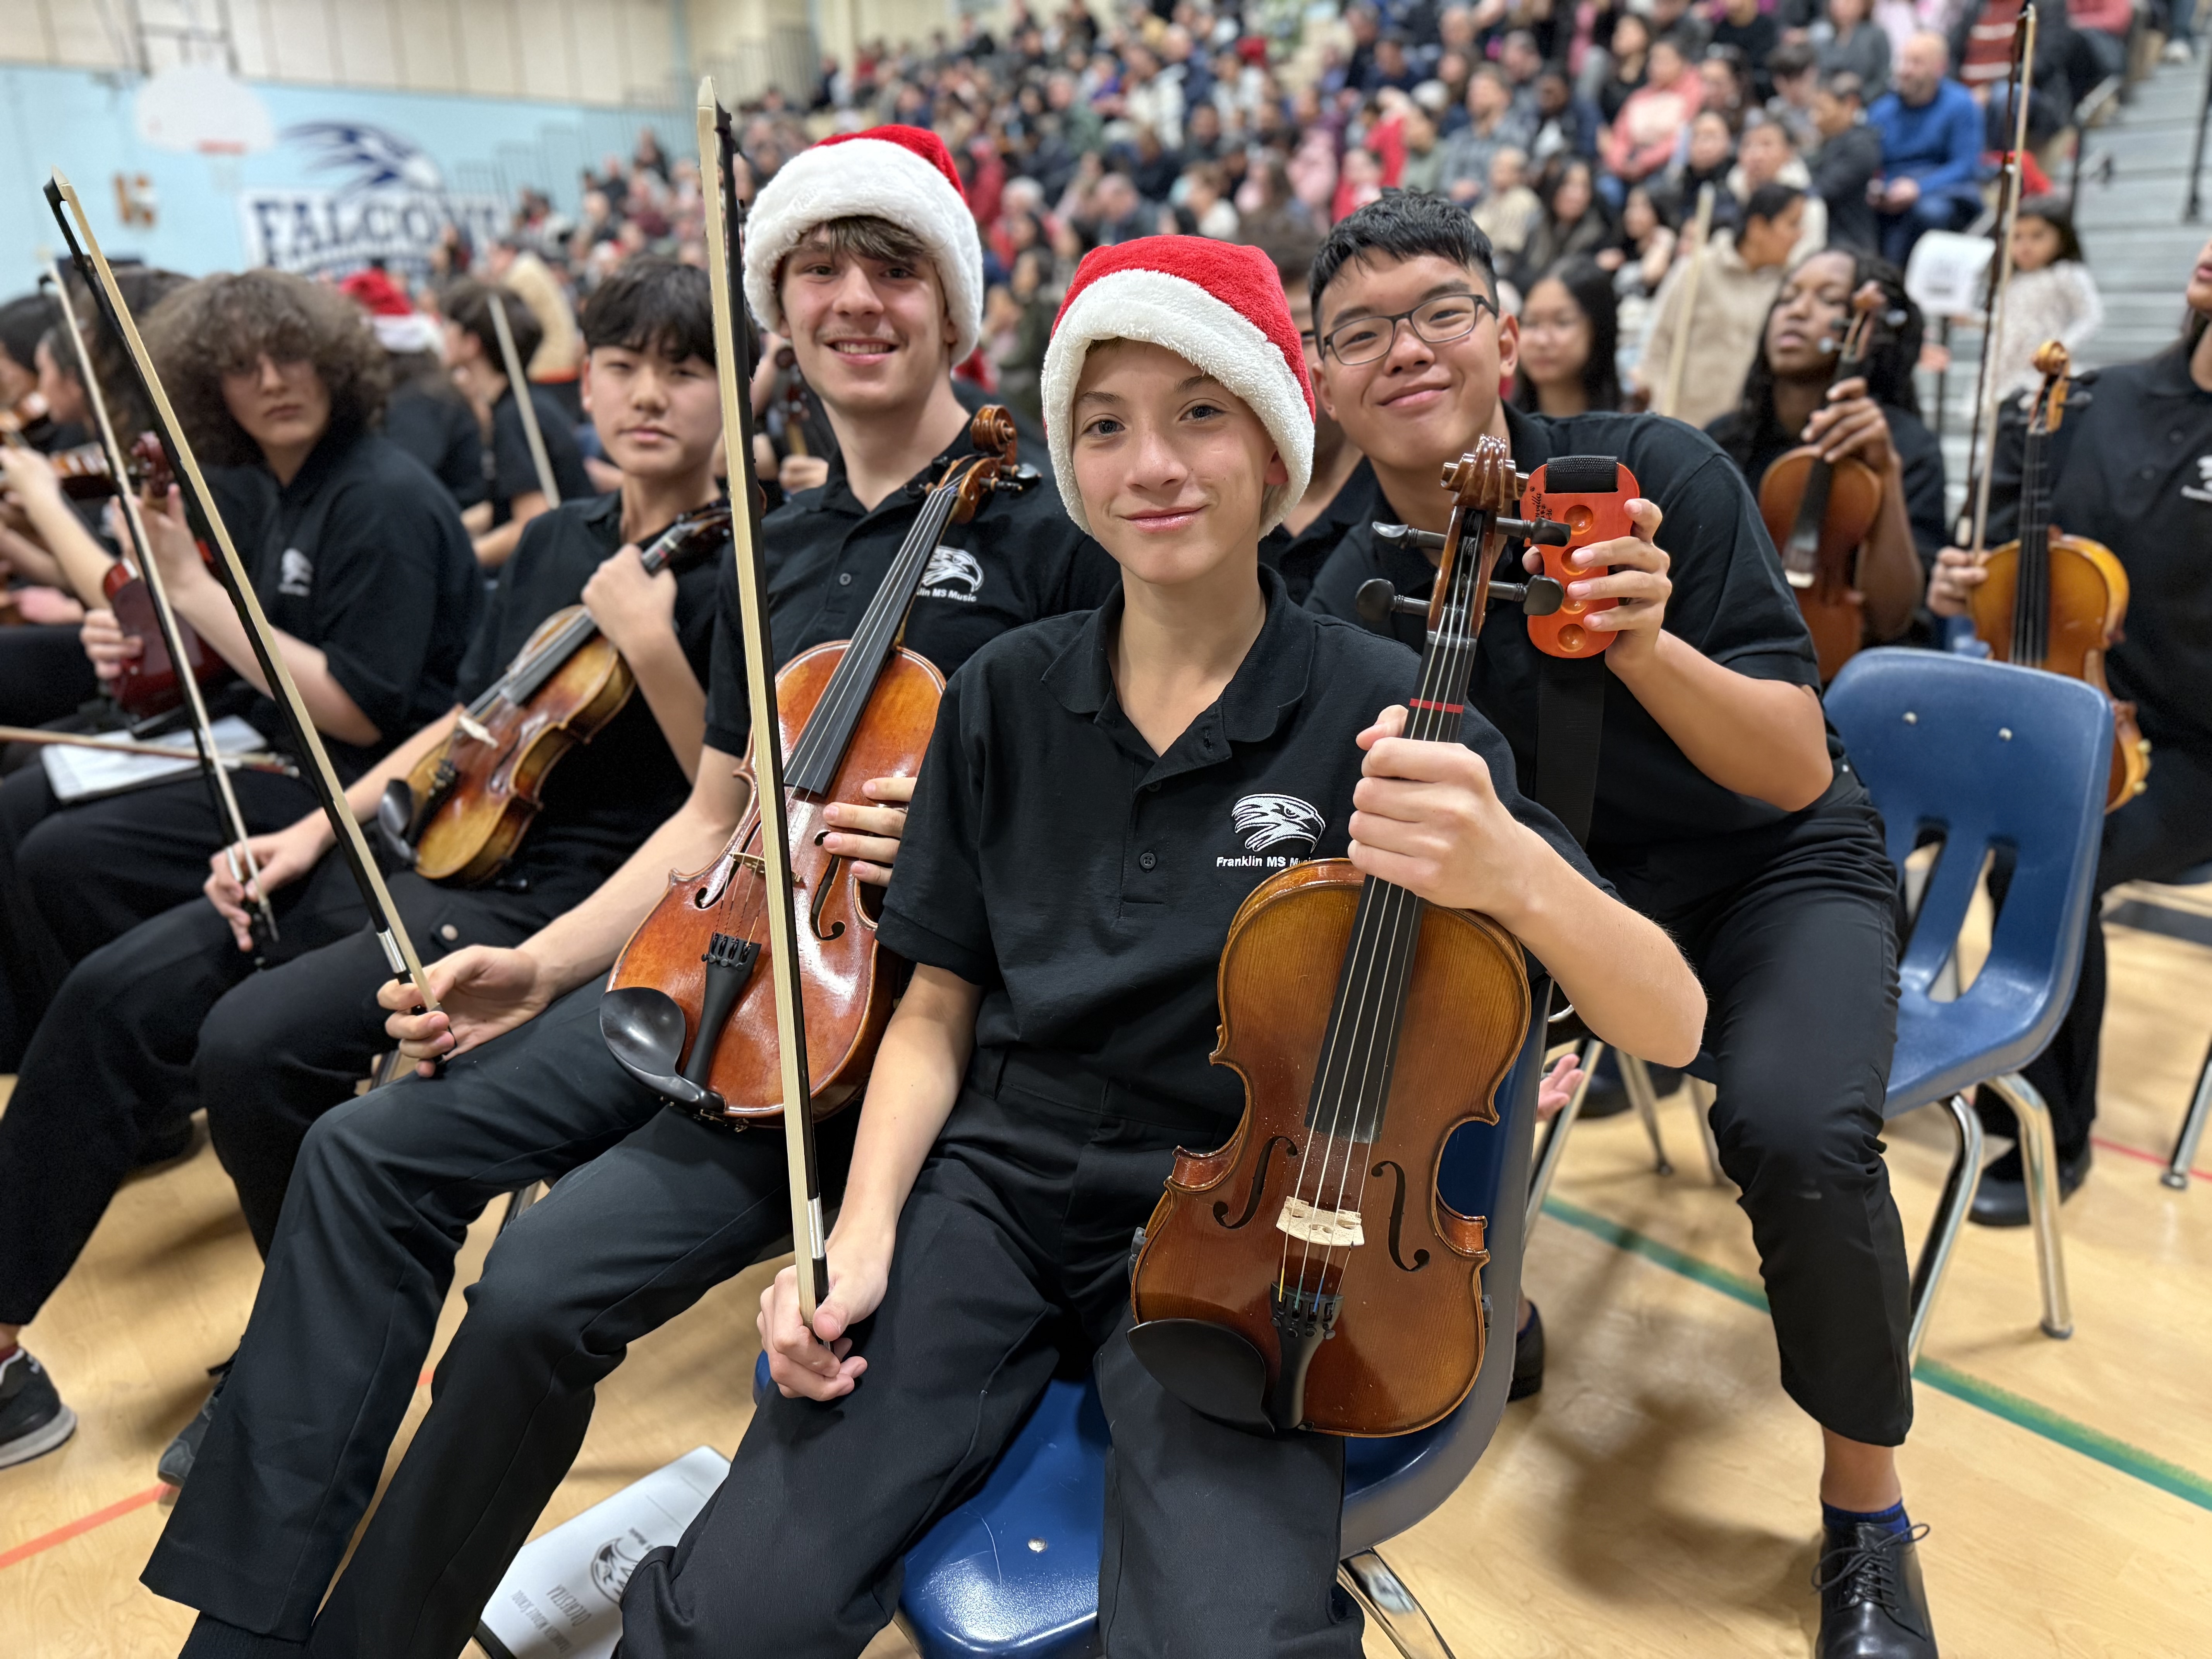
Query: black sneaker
x=176 y=1465
x=33 y=1420
x=1528 y=1357
x=2001 y=1195
x=1872 y=1604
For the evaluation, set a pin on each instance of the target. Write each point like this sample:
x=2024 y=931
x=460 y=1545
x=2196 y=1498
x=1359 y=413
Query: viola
x=685 y=1012
x=2056 y=601
x=1308 y=1274
x=464 y=809
x=1821 y=513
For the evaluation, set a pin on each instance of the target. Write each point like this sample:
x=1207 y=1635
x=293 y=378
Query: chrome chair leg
x=2192 y=1130
x=1388 y=1605
x=1636 y=1077
x=1702 y=1095
x=1555 y=1134
x=518 y=1201
x=2038 y=1161
x=1950 y=1216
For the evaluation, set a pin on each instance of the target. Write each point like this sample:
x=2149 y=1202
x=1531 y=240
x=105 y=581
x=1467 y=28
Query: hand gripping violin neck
x=464 y=811
x=685 y=1012
x=1308 y=1275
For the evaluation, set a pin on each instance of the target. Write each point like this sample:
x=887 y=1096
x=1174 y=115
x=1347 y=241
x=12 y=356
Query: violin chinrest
x=643 y=1028
x=1210 y=1368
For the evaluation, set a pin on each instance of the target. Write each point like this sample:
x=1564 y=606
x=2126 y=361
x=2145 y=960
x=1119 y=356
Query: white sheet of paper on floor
x=561 y=1598
x=77 y=773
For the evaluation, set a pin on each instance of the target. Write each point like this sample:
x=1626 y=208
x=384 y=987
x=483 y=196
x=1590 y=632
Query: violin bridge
x=472 y=728
x=1330 y=1228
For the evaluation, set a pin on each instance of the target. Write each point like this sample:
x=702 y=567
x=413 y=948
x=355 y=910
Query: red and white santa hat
x=904 y=175
x=398 y=325
x=1218 y=305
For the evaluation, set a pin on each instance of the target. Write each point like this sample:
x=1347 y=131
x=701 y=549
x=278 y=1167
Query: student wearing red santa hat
x=1081 y=835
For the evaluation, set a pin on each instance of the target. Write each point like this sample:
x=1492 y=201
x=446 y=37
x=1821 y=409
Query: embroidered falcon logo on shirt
x=2202 y=489
x=295 y=574
x=1269 y=820
x=948 y=571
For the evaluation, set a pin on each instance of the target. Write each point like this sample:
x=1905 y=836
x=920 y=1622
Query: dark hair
x=143 y=288
x=1590 y=286
x=1790 y=60
x=466 y=304
x=2054 y=212
x=1399 y=225
x=1843 y=83
x=23 y=322
x=653 y=305
x=1770 y=201
x=1888 y=369
x=225 y=323
x=865 y=236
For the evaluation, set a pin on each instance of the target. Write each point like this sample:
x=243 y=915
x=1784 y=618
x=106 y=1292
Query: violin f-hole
x=1258 y=1183
x=821 y=889
x=1398 y=1217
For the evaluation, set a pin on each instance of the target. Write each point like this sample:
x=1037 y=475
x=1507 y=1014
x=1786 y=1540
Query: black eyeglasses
x=1439 y=321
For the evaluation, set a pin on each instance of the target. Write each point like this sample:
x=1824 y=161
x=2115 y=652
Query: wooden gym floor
x=1657 y=1499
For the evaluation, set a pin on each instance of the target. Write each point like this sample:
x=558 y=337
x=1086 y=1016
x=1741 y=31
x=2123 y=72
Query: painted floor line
x=82 y=1524
x=2140 y=1156
x=2016 y=1409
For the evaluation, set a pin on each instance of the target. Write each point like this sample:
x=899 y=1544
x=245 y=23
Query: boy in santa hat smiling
x=1101 y=792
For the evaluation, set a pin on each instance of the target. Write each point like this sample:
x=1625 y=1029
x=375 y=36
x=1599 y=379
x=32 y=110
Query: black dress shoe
x=1872 y=1603
x=2001 y=1197
x=177 y=1459
x=1528 y=1357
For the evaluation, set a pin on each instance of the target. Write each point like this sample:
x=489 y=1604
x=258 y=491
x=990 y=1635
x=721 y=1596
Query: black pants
x=1799 y=964
x=74 y=878
x=44 y=674
x=171 y=1016
x=1012 y=1252
x=652 y=1210
x=2160 y=833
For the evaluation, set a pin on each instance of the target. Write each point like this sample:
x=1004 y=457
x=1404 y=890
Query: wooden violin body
x=148 y=685
x=486 y=784
x=2089 y=605
x=1823 y=569
x=848 y=991
x=1407 y=1336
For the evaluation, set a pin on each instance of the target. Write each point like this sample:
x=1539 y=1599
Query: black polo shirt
x=362 y=557
x=509 y=468
x=437 y=426
x=1298 y=559
x=1088 y=884
x=1920 y=459
x=606 y=796
x=2133 y=464
x=1019 y=558
x=1655 y=812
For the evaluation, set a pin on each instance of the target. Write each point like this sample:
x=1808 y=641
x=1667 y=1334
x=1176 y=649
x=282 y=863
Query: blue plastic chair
x=1983 y=756
x=1013 y=1573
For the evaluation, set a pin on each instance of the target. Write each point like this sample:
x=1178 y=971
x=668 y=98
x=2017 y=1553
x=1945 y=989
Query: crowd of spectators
x=1570 y=130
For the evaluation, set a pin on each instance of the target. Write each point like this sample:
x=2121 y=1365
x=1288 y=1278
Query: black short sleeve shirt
x=512 y=472
x=439 y=429
x=1019 y=558
x=1298 y=559
x=604 y=797
x=362 y=556
x=1088 y=884
x=1730 y=600
x=1920 y=460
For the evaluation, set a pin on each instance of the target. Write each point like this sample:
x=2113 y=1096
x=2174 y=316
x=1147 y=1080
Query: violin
x=464 y=809
x=684 y=1013
x=1821 y=513
x=1308 y=1274
x=85 y=475
x=2056 y=601
x=794 y=402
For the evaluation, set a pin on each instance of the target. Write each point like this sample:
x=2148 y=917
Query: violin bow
x=724 y=252
x=1981 y=455
x=519 y=383
x=240 y=853
x=199 y=505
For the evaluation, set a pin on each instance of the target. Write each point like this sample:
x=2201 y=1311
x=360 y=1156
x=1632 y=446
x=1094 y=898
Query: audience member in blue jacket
x=1931 y=149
